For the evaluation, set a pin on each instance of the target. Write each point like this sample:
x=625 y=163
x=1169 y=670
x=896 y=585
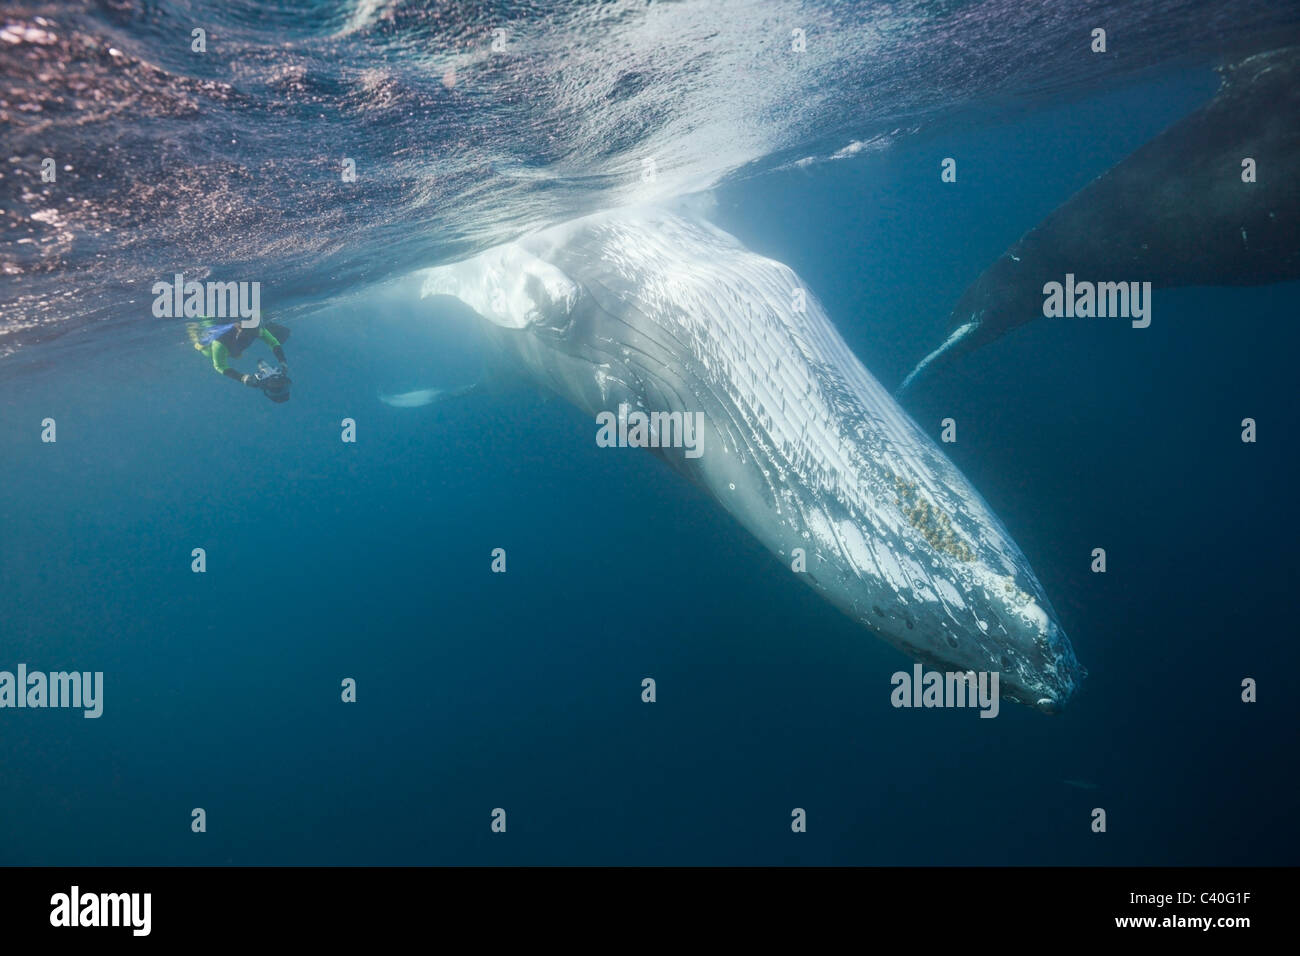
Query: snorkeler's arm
x=221 y=362
x=272 y=341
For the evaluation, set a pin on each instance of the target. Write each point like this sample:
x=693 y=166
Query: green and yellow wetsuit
x=231 y=345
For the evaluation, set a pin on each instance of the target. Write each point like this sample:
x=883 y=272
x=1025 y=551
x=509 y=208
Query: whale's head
x=1003 y=629
x=927 y=566
x=1037 y=665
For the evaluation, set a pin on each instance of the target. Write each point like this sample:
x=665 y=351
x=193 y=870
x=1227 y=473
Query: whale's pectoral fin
x=951 y=346
x=429 y=396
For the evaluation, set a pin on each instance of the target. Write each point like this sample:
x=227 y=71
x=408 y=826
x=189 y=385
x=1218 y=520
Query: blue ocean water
x=328 y=560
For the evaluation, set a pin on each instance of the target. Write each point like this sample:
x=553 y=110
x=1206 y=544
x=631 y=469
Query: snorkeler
x=222 y=342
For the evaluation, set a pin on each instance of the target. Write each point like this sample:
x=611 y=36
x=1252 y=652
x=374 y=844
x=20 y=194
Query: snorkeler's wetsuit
x=231 y=344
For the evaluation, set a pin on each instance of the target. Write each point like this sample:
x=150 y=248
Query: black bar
x=1026 y=906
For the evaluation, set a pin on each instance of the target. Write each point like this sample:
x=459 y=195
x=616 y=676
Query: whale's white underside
x=802 y=445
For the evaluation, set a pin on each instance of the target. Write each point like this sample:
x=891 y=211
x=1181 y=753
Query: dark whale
x=1175 y=213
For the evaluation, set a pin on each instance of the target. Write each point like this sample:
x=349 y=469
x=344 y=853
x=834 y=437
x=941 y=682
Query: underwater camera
x=274 y=382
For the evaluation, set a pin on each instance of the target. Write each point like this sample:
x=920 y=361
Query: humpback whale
x=1177 y=212
x=647 y=309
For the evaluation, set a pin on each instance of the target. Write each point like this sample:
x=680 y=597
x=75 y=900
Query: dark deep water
x=476 y=690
